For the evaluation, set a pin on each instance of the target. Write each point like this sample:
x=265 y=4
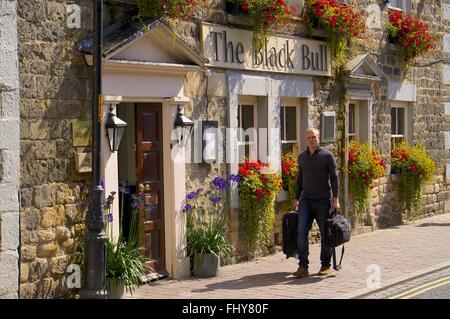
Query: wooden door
x=149 y=157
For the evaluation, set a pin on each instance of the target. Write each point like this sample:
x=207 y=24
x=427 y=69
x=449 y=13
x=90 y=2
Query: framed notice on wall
x=81 y=133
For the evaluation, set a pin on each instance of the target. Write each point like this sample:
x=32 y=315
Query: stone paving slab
x=392 y=253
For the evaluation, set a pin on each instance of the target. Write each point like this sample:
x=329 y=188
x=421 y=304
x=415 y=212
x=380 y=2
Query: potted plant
x=410 y=33
x=207 y=242
x=125 y=264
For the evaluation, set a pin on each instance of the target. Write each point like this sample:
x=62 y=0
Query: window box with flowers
x=267 y=16
x=258 y=188
x=340 y=21
x=409 y=33
x=175 y=9
x=416 y=168
x=365 y=165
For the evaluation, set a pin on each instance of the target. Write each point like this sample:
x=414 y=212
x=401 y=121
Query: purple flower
x=191 y=195
x=220 y=183
x=187 y=207
x=102 y=184
x=110 y=218
x=234 y=178
x=215 y=199
x=135 y=205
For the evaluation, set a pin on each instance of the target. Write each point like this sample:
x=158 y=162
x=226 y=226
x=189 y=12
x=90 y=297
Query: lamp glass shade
x=115 y=128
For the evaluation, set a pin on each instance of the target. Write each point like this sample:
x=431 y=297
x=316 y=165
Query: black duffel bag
x=337 y=232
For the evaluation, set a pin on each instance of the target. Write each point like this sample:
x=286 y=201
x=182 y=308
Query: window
x=353 y=123
x=398 y=121
x=246 y=137
x=404 y=5
x=289 y=140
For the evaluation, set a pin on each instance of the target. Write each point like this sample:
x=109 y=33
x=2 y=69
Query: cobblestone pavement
x=394 y=254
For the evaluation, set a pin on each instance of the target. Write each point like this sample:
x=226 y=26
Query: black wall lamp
x=115 y=128
x=183 y=123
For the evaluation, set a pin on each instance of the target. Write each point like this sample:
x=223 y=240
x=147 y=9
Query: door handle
x=147 y=188
x=141 y=188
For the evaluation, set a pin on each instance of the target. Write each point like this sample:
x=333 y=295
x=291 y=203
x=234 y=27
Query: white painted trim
x=149 y=67
x=402 y=91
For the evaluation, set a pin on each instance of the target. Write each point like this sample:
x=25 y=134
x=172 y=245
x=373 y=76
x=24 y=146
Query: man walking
x=316 y=172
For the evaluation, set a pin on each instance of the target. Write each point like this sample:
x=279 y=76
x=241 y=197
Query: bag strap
x=338 y=267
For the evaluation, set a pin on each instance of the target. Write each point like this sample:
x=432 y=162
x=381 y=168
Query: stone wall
x=9 y=151
x=55 y=90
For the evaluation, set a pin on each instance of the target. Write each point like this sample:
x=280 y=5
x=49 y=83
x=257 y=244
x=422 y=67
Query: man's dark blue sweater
x=315 y=174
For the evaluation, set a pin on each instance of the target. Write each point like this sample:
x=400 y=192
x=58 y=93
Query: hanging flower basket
x=410 y=33
x=340 y=21
x=267 y=16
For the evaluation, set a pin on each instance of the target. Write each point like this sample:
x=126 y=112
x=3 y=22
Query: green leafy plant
x=341 y=23
x=206 y=219
x=410 y=33
x=176 y=9
x=267 y=16
x=125 y=263
x=365 y=165
x=289 y=170
x=416 y=168
x=257 y=193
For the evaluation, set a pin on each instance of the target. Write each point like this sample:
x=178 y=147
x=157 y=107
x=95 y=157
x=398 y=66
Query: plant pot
x=115 y=289
x=234 y=9
x=207 y=266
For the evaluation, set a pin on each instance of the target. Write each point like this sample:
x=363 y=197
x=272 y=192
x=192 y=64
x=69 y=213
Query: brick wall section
x=55 y=89
x=9 y=151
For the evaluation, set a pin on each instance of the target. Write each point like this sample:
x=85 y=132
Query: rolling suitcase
x=289 y=233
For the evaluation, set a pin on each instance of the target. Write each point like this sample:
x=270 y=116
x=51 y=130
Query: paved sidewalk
x=400 y=252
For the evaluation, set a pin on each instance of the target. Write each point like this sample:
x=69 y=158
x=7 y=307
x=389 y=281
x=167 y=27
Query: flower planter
x=234 y=9
x=115 y=290
x=207 y=266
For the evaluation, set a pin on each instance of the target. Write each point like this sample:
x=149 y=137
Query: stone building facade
x=166 y=67
x=9 y=151
x=54 y=92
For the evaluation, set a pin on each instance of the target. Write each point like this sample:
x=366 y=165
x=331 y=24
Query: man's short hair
x=313 y=130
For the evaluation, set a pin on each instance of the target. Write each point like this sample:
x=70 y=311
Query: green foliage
x=289 y=170
x=206 y=219
x=416 y=168
x=365 y=165
x=124 y=260
x=257 y=194
x=177 y=9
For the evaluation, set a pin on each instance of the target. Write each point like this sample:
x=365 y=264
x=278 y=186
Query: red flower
x=245 y=6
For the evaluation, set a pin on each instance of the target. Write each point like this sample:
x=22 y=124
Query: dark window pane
x=287 y=147
x=150 y=166
x=401 y=121
x=282 y=137
x=351 y=119
x=291 y=123
x=393 y=121
x=247 y=116
x=152 y=245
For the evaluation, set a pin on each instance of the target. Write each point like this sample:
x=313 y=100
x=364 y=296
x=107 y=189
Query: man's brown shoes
x=301 y=272
x=324 y=271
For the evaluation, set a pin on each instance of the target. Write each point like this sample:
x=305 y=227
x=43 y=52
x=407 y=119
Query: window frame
x=403 y=6
x=290 y=102
x=405 y=135
x=253 y=145
x=356 y=117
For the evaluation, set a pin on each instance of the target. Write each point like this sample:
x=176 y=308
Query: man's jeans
x=308 y=210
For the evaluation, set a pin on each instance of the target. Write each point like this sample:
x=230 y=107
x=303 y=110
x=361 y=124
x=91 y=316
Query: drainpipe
x=95 y=251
